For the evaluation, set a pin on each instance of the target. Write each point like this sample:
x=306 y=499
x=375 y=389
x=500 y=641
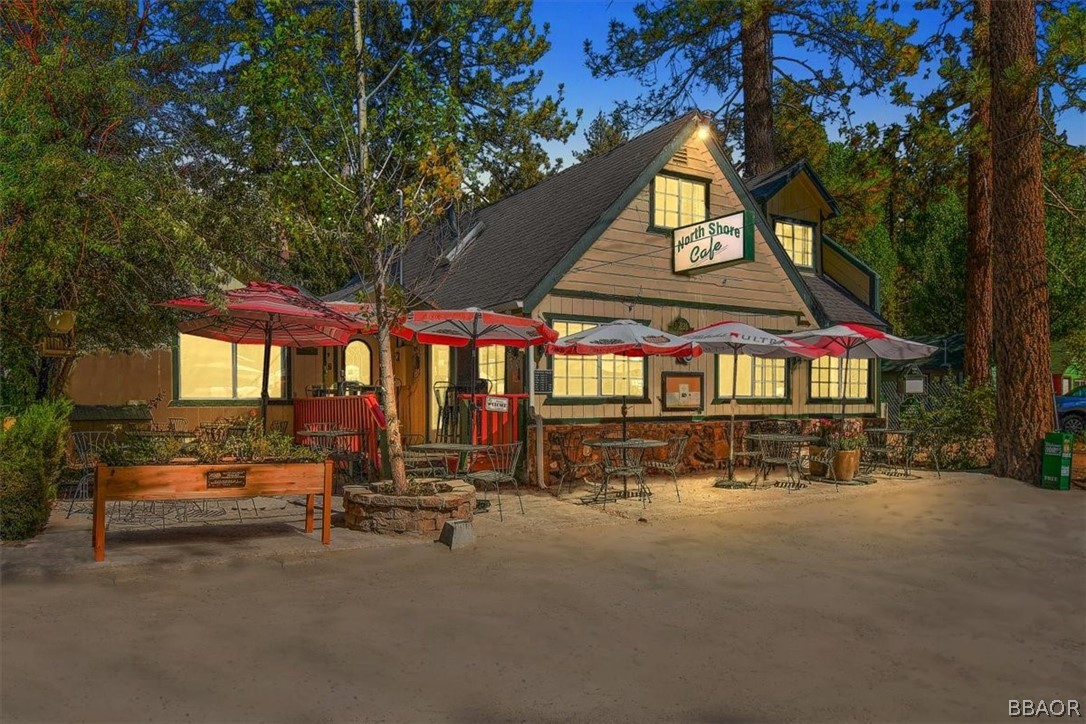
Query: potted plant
x=847 y=443
x=846 y=461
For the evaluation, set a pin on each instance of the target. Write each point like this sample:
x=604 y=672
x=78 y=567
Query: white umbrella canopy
x=736 y=338
x=628 y=338
x=857 y=341
x=860 y=342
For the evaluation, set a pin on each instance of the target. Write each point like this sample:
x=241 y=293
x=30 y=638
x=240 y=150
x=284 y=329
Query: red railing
x=350 y=412
x=494 y=427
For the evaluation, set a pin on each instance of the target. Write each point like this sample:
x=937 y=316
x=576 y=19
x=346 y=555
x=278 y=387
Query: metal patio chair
x=86 y=449
x=572 y=461
x=784 y=453
x=503 y=466
x=676 y=445
x=623 y=462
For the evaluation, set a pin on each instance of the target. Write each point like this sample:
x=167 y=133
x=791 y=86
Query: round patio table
x=780 y=448
x=881 y=452
x=183 y=435
x=636 y=444
x=465 y=453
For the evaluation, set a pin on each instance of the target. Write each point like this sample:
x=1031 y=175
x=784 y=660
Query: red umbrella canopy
x=293 y=318
x=860 y=342
x=739 y=338
x=625 y=337
x=473 y=327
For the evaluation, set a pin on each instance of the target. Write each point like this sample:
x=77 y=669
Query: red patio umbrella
x=627 y=338
x=737 y=338
x=857 y=341
x=475 y=328
x=270 y=314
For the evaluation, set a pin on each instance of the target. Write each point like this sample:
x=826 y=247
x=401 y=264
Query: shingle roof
x=524 y=236
x=838 y=305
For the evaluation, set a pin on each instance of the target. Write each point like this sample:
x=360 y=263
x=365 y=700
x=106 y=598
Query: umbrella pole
x=264 y=380
x=731 y=426
x=844 y=386
x=474 y=376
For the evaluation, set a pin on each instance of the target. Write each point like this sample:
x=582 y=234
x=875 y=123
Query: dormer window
x=797 y=238
x=678 y=201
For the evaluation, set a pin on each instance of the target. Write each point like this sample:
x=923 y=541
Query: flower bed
x=370 y=510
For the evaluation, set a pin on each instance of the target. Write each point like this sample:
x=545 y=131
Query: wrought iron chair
x=279 y=426
x=675 y=447
x=572 y=462
x=780 y=453
x=622 y=462
x=423 y=464
x=503 y=461
x=824 y=457
x=178 y=424
x=86 y=448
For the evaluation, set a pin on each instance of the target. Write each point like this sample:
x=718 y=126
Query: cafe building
x=660 y=230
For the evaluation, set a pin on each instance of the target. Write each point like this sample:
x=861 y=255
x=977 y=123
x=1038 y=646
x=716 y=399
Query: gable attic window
x=678 y=201
x=797 y=238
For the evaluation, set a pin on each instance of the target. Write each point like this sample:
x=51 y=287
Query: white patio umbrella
x=738 y=338
x=627 y=338
x=857 y=341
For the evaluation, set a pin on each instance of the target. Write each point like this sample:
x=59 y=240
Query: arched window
x=358 y=367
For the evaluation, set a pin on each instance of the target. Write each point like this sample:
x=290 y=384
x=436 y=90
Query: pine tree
x=725 y=51
x=1020 y=297
x=603 y=134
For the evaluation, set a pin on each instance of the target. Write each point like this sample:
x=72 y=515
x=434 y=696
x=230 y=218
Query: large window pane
x=755 y=377
x=250 y=367
x=602 y=376
x=678 y=202
x=206 y=368
x=797 y=239
x=440 y=371
x=213 y=370
x=827 y=378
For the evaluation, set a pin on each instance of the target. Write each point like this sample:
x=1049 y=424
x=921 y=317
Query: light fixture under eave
x=703 y=131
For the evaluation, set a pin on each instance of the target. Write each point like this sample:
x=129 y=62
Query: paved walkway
x=923 y=600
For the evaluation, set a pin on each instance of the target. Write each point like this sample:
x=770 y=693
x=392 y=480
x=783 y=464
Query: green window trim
x=552 y=399
x=813 y=226
x=719 y=399
x=655 y=228
x=286 y=361
x=872 y=384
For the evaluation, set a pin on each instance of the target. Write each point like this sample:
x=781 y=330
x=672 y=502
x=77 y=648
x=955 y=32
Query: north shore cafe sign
x=710 y=244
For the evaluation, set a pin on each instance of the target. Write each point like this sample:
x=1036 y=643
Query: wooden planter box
x=194 y=482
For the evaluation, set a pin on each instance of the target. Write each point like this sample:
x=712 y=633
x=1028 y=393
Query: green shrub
x=31 y=461
x=958 y=425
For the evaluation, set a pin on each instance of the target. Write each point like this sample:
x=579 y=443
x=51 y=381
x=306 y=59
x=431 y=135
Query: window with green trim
x=797 y=239
x=492 y=368
x=755 y=377
x=208 y=369
x=678 y=201
x=827 y=377
x=605 y=375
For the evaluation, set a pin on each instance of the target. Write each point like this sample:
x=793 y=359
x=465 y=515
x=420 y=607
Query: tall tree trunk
x=360 y=97
x=388 y=384
x=978 y=260
x=755 y=37
x=1020 y=300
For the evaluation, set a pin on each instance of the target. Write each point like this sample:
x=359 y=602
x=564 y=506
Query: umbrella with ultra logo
x=736 y=338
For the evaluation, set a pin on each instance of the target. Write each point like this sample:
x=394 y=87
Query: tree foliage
x=604 y=133
x=688 y=53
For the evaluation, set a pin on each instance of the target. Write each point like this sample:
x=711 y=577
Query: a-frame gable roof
x=522 y=238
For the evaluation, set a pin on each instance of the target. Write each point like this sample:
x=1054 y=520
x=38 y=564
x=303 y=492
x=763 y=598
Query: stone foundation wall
x=372 y=512
x=706 y=450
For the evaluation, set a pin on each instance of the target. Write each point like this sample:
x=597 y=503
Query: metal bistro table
x=778 y=448
x=882 y=451
x=182 y=435
x=629 y=464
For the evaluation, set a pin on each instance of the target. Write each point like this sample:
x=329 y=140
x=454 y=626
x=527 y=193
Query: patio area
x=810 y=605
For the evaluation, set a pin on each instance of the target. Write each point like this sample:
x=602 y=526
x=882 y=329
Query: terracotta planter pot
x=846 y=463
x=817 y=469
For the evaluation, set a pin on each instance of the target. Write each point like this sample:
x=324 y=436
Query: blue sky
x=574 y=21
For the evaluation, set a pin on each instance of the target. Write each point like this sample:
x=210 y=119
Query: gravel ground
x=907 y=600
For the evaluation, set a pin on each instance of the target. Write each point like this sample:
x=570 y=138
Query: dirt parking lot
x=907 y=601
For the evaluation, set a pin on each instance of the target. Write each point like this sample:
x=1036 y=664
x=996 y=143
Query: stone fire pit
x=376 y=512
